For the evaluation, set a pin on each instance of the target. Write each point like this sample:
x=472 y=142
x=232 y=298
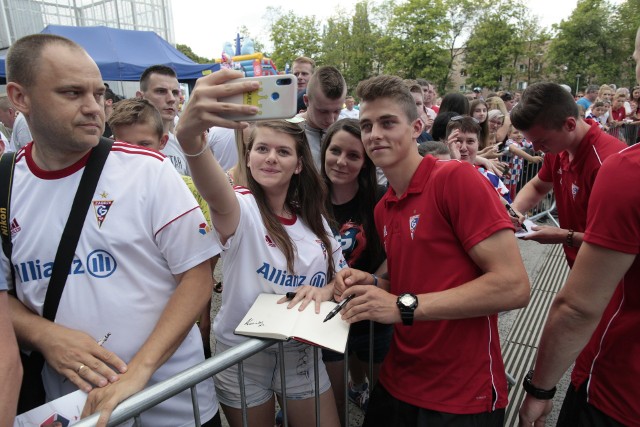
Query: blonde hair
x=496 y=103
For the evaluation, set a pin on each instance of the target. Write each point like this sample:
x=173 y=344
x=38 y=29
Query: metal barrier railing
x=157 y=393
x=627 y=133
x=543 y=210
x=132 y=407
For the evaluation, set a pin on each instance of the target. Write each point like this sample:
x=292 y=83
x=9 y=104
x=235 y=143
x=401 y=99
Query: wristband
x=570 y=238
x=375 y=280
x=205 y=145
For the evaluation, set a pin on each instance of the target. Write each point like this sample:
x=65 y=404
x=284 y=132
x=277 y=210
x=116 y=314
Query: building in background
x=19 y=18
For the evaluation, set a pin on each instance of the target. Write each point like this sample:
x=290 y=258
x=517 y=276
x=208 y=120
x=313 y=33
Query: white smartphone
x=277 y=98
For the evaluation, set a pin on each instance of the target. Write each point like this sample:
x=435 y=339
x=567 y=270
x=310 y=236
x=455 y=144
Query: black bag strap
x=7 y=165
x=73 y=227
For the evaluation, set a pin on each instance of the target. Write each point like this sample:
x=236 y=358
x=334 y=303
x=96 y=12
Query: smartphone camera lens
x=284 y=81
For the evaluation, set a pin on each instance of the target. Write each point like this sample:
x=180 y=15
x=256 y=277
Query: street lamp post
x=577 y=82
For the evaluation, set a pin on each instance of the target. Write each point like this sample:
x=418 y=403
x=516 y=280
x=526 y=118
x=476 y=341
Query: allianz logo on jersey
x=282 y=278
x=99 y=263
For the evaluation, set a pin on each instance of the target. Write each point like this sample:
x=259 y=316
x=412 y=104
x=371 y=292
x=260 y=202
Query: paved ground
x=534 y=256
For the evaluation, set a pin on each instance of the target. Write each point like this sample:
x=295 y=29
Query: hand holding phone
x=277 y=98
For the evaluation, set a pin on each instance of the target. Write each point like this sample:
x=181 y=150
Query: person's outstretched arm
x=202 y=112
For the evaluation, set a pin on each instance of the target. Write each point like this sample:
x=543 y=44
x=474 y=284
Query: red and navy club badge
x=101 y=208
x=413 y=223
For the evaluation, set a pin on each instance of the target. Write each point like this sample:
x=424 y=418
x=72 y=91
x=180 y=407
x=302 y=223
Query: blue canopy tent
x=122 y=55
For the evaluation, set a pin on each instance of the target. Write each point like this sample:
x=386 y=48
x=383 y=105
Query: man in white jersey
x=140 y=271
x=159 y=85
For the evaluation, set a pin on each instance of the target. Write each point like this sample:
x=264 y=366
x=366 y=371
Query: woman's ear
x=299 y=167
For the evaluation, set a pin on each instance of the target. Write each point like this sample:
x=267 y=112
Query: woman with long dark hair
x=350 y=176
x=275 y=224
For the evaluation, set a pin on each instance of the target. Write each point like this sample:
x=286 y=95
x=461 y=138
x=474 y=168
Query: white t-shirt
x=142 y=228
x=20 y=134
x=173 y=151
x=349 y=114
x=222 y=142
x=252 y=264
x=6 y=144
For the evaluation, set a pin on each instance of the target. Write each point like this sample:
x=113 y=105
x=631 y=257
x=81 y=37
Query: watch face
x=407 y=300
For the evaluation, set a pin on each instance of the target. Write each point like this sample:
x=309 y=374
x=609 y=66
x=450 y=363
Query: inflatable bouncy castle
x=246 y=59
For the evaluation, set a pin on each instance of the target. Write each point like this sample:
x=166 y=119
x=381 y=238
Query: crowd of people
x=396 y=202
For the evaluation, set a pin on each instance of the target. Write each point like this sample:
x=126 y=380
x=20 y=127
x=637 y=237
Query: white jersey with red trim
x=252 y=264
x=142 y=228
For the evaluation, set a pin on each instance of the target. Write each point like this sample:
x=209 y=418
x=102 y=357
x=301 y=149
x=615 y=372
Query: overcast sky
x=205 y=25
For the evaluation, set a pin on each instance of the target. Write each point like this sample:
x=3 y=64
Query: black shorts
x=385 y=410
x=577 y=412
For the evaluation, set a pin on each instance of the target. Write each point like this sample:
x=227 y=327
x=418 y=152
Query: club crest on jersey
x=101 y=209
x=269 y=241
x=574 y=191
x=323 y=247
x=413 y=223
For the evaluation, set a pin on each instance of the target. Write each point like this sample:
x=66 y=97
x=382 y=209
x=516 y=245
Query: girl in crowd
x=479 y=111
x=496 y=119
x=635 y=102
x=353 y=193
x=605 y=94
x=277 y=223
x=496 y=103
x=515 y=146
x=456 y=102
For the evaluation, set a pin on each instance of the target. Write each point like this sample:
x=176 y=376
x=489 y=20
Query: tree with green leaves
x=189 y=53
x=348 y=44
x=588 y=43
x=294 y=36
x=362 y=47
x=628 y=20
x=413 y=41
x=461 y=18
x=489 y=54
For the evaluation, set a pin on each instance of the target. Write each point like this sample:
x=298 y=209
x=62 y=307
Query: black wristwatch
x=538 y=393
x=407 y=304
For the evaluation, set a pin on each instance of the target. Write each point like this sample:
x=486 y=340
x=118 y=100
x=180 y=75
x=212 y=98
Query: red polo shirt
x=573 y=179
x=611 y=359
x=452 y=366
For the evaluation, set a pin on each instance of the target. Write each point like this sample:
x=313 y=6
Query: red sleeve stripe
x=174 y=219
x=135 y=149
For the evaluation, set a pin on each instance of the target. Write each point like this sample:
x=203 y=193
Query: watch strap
x=536 y=392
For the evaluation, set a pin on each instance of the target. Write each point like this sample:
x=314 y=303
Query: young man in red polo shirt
x=547 y=115
x=598 y=306
x=453 y=264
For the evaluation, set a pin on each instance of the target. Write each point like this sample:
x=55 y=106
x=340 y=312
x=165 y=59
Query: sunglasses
x=459 y=118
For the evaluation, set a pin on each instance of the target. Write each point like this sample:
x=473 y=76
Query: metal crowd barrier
x=132 y=407
x=627 y=133
x=150 y=397
x=543 y=211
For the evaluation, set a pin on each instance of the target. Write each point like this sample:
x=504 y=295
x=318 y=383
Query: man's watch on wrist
x=538 y=393
x=407 y=303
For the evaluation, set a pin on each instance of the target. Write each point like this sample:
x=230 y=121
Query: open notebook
x=268 y=319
